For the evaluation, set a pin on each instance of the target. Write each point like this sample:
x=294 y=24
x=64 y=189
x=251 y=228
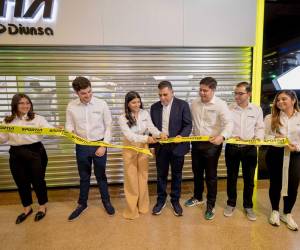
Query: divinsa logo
x=13 y=29
x=17 y=14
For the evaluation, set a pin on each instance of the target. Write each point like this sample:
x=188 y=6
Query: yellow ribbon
x=280 y=142
x=61 y=132
x=184 y=139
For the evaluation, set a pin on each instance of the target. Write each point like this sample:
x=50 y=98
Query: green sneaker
x=209 y=214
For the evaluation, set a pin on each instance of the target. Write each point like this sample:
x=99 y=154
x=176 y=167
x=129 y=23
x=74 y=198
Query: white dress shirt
x=212 y=118
x=20 y=139
x=290 y=128
x=138 y=133
x=91 y=121
x=166 y=117
x=248 y=122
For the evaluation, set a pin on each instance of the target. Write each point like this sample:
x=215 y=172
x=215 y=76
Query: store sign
x=24 y=12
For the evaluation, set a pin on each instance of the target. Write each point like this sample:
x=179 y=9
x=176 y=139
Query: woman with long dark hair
x=28 y=158
x=284 y=122
x=136 y=126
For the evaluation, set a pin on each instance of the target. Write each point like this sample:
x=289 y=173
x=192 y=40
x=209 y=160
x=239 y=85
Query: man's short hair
x=246 y=85
x=80 y=82
x=165 y=84
x=209 y=81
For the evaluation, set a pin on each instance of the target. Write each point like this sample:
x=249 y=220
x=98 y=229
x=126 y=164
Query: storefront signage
x=20 y=17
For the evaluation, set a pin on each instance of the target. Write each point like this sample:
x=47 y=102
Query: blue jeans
x=85 y=156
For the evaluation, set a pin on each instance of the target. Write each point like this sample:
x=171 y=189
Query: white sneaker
x=288 y=219
x=250 y=214
x=274 y=218
x=228 y=211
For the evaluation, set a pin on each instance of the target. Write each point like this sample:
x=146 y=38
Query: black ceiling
x=282 y=22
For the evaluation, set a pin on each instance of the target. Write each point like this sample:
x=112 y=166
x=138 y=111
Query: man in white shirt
x=91 y=119
x=211 y=117
x=248 y=124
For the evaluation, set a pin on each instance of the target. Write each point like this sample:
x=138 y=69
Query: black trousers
x=164 y=158
x=205 y=157
x=28 y=166
x=274 y=160
x=234 y=155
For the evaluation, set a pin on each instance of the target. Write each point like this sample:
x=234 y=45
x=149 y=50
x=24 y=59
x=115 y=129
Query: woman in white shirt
x=136 y=125
x=28 y=157
x=283 y=122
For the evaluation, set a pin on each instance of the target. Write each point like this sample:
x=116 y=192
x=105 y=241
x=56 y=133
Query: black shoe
x=157 y=209
x=23 y=217
x=177 y=208
x=108 y=207
x=40 y=215
x=77 y=212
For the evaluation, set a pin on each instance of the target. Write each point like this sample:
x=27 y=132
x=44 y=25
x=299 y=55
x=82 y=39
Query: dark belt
x=98 y=140
x=240 y=145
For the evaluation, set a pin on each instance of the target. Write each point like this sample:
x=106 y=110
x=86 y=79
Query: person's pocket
x=210 y=117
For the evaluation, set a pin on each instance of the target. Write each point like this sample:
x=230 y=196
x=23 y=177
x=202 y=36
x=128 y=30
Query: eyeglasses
x=239 y=93
x=160 y=95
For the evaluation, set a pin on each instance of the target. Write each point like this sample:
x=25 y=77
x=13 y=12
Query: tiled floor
x=96 y=230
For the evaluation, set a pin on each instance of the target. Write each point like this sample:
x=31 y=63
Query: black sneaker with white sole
x=157 y=209
x=177 y=209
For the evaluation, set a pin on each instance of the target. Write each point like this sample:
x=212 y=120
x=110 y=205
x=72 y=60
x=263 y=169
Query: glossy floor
x=96 y=230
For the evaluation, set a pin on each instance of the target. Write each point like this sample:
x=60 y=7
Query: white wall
x=219 y=22
x=143 y=22
x=146 y=23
